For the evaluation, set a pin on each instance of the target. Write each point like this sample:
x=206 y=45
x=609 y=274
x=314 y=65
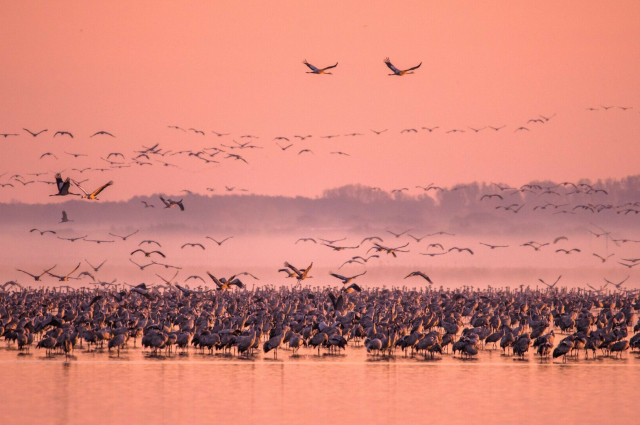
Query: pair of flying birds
x=396 y=71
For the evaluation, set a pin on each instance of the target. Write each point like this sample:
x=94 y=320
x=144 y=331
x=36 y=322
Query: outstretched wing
x=59 y=181
x=415 y=67
x=313 y=68
x=238 y=283
x=100 y=189
x=355 y=287
x=329 y=67
x=295 y=270
x=333 y=299
x=80 y=187
x=74 y=270
x=215 y=280
x=32 y=275
x=390 y=65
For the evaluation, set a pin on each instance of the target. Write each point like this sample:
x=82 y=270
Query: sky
x=134 y=69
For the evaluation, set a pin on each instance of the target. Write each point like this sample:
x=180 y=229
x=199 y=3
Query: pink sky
x=134 y=68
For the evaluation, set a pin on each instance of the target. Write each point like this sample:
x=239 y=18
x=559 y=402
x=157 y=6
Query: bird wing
x=215 y=280
x=138 y=250
x=338 y=276
x=73 y=271
x=237 y=282
x=313 y=68
x=87 y=274
x=32 y=275
x=355 y=286
x=295 y=270
x=158 y=252
x=415 y=67
x=329 y=67
x=101 y=188
x=390 y=65
x=425 y=276
x=59 y=181
x=80 y=187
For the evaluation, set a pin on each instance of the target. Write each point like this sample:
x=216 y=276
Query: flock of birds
x=423 y=324
x=230 y=316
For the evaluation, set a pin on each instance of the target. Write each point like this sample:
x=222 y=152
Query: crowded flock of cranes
x=230 y=319
x=421 y=324
x=223 y=315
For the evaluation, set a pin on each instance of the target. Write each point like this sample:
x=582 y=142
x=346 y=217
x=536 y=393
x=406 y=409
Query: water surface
x=353 y=387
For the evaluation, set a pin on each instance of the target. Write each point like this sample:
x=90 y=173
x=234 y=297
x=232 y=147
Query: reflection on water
x=353 y=387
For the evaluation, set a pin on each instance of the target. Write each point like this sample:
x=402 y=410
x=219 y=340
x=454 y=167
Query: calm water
x=137 y=387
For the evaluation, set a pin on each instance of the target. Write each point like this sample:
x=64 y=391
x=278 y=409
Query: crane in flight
x=63 y=186
x=318 y=71
x=399 y=72
x=551 y=286
x=422 y=275
x=169 y=203
x=347 y=279
x=225 y=284
x=37 y=278
x=300 y=275
x=93 y=195
x=66 y=277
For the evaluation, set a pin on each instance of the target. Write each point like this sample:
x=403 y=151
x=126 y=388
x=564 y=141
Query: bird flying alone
x=319 y=71
x=168 y=203
x=399 y=72
x=422 y=275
